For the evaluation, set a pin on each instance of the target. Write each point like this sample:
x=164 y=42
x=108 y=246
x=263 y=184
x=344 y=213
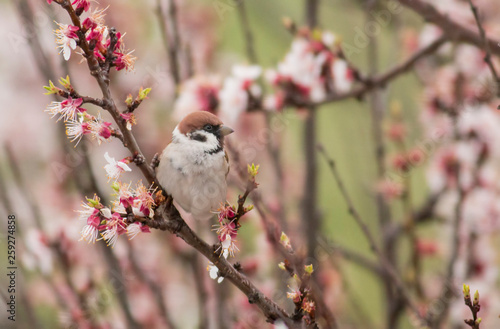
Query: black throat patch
x=215 y=150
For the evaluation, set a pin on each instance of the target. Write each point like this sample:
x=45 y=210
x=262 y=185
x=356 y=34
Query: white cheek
x=192 y=155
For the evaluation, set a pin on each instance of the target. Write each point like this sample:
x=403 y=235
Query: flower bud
x=95 y=202
x=51 y=89
x=466 y=291
x=253 y=170
x=309 y=269
x=285 y=241
x=476 y=298
x=129 y=100
x=143 y=93
x=66 y=83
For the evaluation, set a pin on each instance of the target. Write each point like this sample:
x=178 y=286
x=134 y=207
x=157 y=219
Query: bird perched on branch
x=194 y=166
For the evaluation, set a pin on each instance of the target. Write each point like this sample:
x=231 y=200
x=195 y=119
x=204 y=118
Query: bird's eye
x=208 y=127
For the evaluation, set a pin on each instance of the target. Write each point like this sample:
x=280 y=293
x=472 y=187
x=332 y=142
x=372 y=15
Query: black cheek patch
x=199 y=137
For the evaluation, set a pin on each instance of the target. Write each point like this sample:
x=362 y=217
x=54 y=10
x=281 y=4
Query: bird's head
x=202 y=127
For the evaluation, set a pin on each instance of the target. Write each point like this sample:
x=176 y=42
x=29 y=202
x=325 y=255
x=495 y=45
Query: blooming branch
x=474 y=306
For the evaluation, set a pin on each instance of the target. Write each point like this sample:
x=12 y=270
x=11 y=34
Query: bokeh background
x=38 y=168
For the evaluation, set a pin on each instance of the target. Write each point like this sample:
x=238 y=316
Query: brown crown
x=197 y=120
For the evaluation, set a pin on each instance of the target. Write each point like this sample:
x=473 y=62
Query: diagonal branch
x=168 y=42
x=382 y=79
x=102 y=78
x=387 y=266
x=487 y=49
x=247 y=32
x=167 y=218
x=452 y=29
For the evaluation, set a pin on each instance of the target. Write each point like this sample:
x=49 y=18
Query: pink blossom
x=396 y=131
x=200 y=93
x=308 y=305
x=342 y=76
x=400 y=162
x=124 y=61
x=75 y=129
x=66 y=38
x=294 y=295
x=114 y=228
x=89 y=24
x=94 y=34
x=238 y=90
x=67 y=109
x=115 y=168
x=129 y=119
x=427 y=247
x=143 y=202
x=125 y=197
x=226 y=212
x=82 y=4
x=136 y=228
x=100 y=130
x=214 y=272
x=390 y=189
x=37 y=254
x=90 y=231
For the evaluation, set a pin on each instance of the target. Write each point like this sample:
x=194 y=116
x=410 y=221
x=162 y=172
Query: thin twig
x=380 y=80
x=474 y=307
x=168 y=42
x=273 y=233
x=486 y=46
x=356 y=258
x=102 y=78
x=155 y=289
x=46 y=70
x=451 y=29
x=387 y=266
x=377 y=107
x=311 y=220
x=247 y=32
x=169 y=218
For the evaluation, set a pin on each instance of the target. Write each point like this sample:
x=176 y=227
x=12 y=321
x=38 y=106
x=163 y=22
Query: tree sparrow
x=194 y=166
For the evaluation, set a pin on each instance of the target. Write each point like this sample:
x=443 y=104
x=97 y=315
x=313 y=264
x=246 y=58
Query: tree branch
x=453 y=30
x=486 y=46
x=382 y=79
x=247 y=32
x=169 y=42
x=170 y=220
x=387 y=266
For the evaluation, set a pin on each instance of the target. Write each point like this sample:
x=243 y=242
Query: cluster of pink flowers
x=110 y=223
x=139 y=201
x=227 y=230
x=200 y=93
x=313 y=68
x=79 y=122
x=460 y=107
x=115 y=168
x=301 y=296
x=97 y=35
x=238 y=93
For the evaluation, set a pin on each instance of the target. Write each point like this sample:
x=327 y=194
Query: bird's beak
x=224 y=131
